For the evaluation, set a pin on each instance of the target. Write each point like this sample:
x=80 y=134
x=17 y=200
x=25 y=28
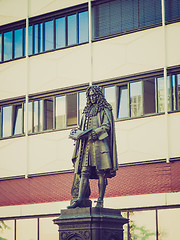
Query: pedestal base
x=90 y=224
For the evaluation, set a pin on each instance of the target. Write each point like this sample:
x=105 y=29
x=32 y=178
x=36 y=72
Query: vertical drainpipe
x=27 y=93
x=165 y=81
x=90 y=42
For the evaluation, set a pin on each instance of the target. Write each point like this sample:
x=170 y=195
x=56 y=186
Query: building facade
x=50 y=51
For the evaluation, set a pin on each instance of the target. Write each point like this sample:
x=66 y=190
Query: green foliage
x=3 y=227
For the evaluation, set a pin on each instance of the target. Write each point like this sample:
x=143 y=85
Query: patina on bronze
x=95 y=154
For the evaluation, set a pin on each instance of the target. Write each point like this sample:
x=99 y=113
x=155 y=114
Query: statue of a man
x=95 y=155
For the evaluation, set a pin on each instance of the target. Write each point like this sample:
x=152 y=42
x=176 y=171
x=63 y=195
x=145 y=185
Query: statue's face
x=92 y=97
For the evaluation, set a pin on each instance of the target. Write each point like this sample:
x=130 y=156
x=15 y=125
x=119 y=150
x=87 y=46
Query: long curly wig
x=101 y=101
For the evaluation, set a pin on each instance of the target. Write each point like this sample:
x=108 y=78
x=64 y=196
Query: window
x=8 y=45
x=7 y=121
x=38 y=116
x=123 y=15
x=49 y=35
x=136 y=97
x=0 y=47
x=60 y=32
x=71 y=109
x=110 y=95
x=47 y=230
x=26 y=229
x=7 y=230
x=123 y=102
x=17 y=119
x=48 y=114
x=81 y=104
x=172 y=10
x=149 y=96
x=72 y=29
x=60 y=112
x=18 y=43
x=83 y=27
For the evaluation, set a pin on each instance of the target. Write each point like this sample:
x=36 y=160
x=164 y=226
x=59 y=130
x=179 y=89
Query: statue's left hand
x=94 y=135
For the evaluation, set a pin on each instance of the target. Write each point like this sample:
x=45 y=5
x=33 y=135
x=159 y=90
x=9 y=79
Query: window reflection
x=7 y=121
x=36 y=38
x=8 y=46
x=38 y=116
x=7 y=230
x=142 y=225
x=60 y=33
x=136 y=99
x=30 y=112
x=26 y=229
x=18 y=43
x=83 y=27
x=47 y=230
x=49 y=35
x=60 y=112
x=72 y=29
x=81 y=104
x=17 y=119
x=71 y=109
x=110 y=96
x=168 y=224
x=48 y=114
x=123 y=103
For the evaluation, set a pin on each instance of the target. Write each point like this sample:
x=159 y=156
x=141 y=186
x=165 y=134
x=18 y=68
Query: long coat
x=104 y=147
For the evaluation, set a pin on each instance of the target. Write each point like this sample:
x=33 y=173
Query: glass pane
x=174 y=105
x=18 y=43
x=110 y=96
x=72 y=29
x=36 y=38
x=36 y=107
x=60 y=33
x=81 y=103
x=17 y=119
x=48 y=114
x=0 y=47
x=7 y=46
x=168 y=224
x=41 y=37
x=71 y=109
x=160 y=94
x=123 y=103
x=26 y=229
x=7 y=230
x=30 y=117
x=49 y=35
x=48 y=230
x=41 y=115
x=83 y=27
x=178 y=92
x=0 y=122
x=30 y=42
x=7 y=121
x=60 y=112
x=136 y=99
x=142 y=225
x=149 y=96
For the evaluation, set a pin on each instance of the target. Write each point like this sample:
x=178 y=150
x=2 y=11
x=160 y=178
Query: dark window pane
x=60 y=112
x=48 y=114
x=38 y=116
x=36 y=38
x=17 y=119
x=49 y=35
x=150 y=12
x=0 y=122
x=123 y=103
x=30 y=112
x=7 y=121
x=30 y=42
x=172 y=9
x=18 y=43
x=72 y=29
x=83 y=27
x=71 y=109
x=7 y=46
x=60 y=33
x=173 y=82
x=136 y=99
x=0 y=47
x=149 y=96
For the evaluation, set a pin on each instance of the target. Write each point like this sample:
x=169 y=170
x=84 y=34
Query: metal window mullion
x=77 y=28
x=142 y=99
x=176 y=93
x=66 y=31
x=33 y=40
x=129 y=100
x=23 y=43
x=32 y=116
x=15 y=229
x=12 y=120
x=54 y=112
x=157 y=226
x=66 y=121
x=39 y=40
x=3 y=47
x=22 y=117
x=38 y=230
x=156 y=96
x=54 y=29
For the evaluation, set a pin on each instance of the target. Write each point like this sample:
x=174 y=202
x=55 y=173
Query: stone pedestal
x=90 y=224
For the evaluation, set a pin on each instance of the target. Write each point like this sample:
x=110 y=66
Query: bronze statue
x=95 y=155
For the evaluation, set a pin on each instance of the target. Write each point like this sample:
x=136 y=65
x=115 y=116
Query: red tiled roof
x=130 y=180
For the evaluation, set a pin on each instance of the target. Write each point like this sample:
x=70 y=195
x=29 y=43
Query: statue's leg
x=83 y=187
x=102 y=182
